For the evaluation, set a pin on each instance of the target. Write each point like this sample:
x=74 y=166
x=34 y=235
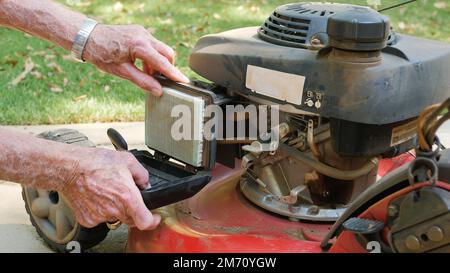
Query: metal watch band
x=81 y=39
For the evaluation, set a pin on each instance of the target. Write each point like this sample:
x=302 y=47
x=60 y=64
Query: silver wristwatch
x=81 y=39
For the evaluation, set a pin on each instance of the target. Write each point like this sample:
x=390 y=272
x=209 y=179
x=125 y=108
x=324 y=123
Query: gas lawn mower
x=350 y=160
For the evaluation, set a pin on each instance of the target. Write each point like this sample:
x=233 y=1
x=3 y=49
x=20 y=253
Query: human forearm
x=111 y=48
x=35 y=162
x=42 y=18
x=100 y=185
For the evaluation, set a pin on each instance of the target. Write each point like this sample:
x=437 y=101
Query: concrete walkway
x=16 y=232
x=133 y=132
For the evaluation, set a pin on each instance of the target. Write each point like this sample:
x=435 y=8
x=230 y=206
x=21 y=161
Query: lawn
x=59 y=91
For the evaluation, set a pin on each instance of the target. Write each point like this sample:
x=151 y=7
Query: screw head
x=435 y=234
x=314 y=210
x=268 y=199
x=316 y=42
x=393 y=211
x=412 y=243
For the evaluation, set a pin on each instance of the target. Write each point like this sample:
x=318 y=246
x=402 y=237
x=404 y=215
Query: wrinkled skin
x=105 y=181
x=111 y=48
x=114 y=49
x=100 y=185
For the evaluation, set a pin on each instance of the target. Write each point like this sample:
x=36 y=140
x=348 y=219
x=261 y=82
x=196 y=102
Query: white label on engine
x=275 y=84
x=404 y=133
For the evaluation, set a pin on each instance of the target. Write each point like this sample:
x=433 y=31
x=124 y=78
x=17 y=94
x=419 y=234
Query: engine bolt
x=316 y=42
x=314 y=210
x=393 y=211
x=435 y=234
x=412 y=243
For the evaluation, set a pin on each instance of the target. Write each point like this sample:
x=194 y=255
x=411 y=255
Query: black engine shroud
x=365 y=94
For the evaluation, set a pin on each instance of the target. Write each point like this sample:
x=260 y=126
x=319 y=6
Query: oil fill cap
x=358 y=29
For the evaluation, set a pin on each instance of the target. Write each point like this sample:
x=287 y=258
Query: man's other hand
x=115 y=49
x=104 y=187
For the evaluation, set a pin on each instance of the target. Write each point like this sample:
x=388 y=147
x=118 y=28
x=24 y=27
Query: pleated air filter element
x=159 y=123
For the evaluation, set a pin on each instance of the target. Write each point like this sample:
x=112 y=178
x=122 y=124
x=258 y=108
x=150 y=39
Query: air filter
x=164 y=132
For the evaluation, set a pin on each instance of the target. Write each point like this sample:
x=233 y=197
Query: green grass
x=179 y=23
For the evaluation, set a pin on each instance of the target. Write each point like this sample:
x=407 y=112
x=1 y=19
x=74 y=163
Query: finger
x=142 y=217
x=130 y=72
x=159 y=63
x=140 y=175
x=117 y=211
x=86 y=222
x=164 y=50
x=85 y=217
x=148 y=70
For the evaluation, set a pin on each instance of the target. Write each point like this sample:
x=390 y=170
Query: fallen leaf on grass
x=39 y=53
x=49 y=57
x=29 y=65
x=78 y=3
x=50 y=119
x=254 y=9
x=184 y=44
x=107 y=88
x=55 y=66
x=375 y=3
x=118 y=7
x=56 y=89
x=11 y=62
x=69 y=58
x=141 y=7
x=167 y=21
x=36 y=74
x=79 y=98
x=440 y=5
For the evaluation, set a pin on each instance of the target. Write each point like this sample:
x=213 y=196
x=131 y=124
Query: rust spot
x=232 y=230
x=296 y=234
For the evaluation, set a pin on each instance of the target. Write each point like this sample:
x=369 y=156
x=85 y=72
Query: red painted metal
x=221 y=220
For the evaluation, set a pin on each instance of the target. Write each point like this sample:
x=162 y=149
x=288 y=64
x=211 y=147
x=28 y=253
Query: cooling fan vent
x=300 y=25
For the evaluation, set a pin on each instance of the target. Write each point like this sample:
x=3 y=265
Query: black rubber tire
x=86 y=237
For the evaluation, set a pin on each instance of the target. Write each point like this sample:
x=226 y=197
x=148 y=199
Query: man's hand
x=115 y=49
x=104 y=188
x=100 y=185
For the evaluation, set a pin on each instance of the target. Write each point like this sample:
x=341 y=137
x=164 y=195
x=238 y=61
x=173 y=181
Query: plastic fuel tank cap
x=358 y=29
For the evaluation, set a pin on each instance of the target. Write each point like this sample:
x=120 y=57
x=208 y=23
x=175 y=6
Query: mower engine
x=348 y=90
x=337 y=100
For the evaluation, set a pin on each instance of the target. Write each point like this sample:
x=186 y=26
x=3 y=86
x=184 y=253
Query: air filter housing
x=304 y=25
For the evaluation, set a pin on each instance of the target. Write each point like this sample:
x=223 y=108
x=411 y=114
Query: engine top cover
x=338 y=61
